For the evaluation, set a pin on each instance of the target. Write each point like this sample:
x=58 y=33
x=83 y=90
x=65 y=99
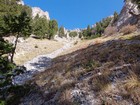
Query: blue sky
x=77 y=13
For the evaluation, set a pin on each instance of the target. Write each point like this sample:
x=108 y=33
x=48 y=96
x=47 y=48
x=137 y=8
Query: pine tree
x=53 y=28
x=73 y=34
x=40 y=27
x=5 y=68
x=61 y=32
x=88 y=31
x=18 y=25
x=115 y=16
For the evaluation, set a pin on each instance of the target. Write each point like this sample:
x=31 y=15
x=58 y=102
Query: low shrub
x=110 y=31
x=128 y=29
x=36 y=46
x=73 y=34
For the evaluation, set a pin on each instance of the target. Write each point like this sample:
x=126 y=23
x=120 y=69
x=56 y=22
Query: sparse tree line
x=43 y=28
x=39 y=26
x=106 y=27
x=62 y=33
x=91 y=32
x=98 y=29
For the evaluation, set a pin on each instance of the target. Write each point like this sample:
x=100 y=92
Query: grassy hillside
x=31 y=48
x=103 y=71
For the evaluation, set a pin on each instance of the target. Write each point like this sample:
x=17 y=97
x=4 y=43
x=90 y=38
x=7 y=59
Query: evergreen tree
x=18 y=25
x=115 y=16
x=11 y=7
x=7 y=71
x=53 y=28
x=40 y=27
x=84 y=33
x=61 y=32
x=5 y=68
x=73 y=34
x=97 y=30
x=88 y=31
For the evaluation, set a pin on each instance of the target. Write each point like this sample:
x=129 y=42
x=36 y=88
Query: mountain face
x=36 y=10
x=130 y=14
x=41 y=13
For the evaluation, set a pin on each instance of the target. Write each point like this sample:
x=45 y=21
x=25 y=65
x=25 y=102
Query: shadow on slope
x=42 y=62
x=109 y=70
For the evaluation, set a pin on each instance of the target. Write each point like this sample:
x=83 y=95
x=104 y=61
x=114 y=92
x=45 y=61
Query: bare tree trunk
x=13 y=51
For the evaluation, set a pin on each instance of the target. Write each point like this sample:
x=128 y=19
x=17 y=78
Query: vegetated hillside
x=98 y=72
x=106 y=72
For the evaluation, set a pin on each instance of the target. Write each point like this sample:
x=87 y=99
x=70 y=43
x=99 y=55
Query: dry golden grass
x=127 y=89
x=132 y=83
x=86 y=43
x=33 y=47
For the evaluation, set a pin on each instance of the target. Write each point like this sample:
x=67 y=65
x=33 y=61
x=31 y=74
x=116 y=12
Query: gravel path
x=39 y=64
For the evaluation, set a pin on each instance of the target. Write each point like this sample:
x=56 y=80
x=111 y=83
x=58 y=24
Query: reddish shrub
x=110 y=31
x=128 y=29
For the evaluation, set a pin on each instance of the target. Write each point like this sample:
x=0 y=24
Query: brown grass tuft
x=110 y=31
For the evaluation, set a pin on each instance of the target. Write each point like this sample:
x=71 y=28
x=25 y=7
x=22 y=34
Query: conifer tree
x=61 y=31
x=18 y=25
x=115 y=16
x=53 y=28
x=40 y=27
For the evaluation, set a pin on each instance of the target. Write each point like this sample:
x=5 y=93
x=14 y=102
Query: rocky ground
x=103 y=71
x=39 y=64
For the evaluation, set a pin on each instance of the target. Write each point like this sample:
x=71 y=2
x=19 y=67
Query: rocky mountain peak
x=40 y=12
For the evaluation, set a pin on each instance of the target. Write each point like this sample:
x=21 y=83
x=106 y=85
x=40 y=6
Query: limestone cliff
x=41 y=13
x=130 y=14
x=36 y=10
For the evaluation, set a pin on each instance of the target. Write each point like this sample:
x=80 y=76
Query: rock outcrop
x=37 y=11
x=21 y=2
x=130 y=14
